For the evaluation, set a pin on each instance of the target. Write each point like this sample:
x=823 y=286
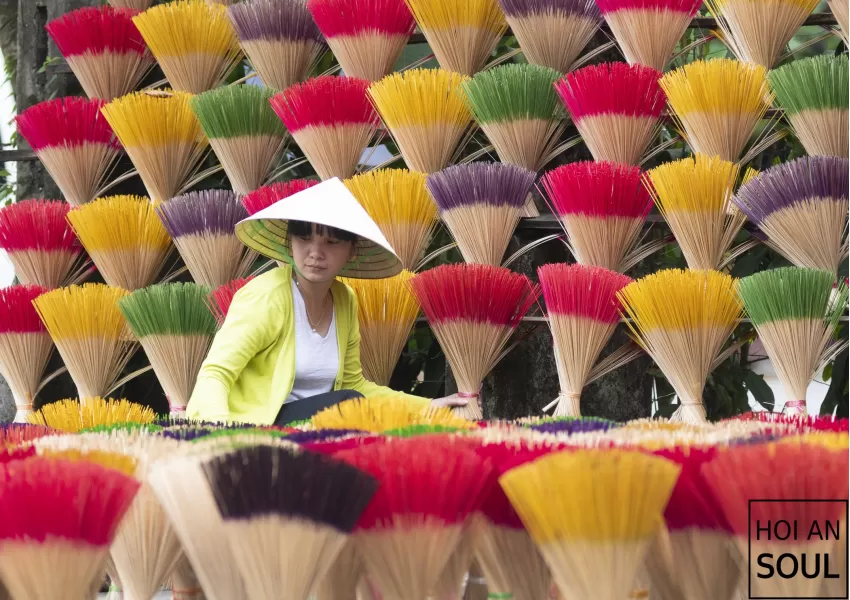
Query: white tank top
x=316 y=357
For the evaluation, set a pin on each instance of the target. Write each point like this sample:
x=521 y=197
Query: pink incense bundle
x=365 y=36
x=583 y=313
x=219 y=300
x=265 y=196
x=693 y=557
x=648 y=30
x=602 y=207
x=39 y=241
x=616 y=108
x=25 y=345
x=103 y=48
x=473 y=309
x=332 y=121
x=73 y=141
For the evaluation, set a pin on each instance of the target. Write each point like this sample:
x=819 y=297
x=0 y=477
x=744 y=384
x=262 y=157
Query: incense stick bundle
x=124 y=238
x=103 y=48
x=518 y=109
x=425 y=114
x=162 y=137
x=383 y=414
x=25 y=345
x=202 y=225
x=796 y=319
x=593 y=514
x=648 y=30
x=58 y=520
x=39 y=242
x=551 y=33
x=813 y=92
x=616 y=108
x=219 y=300
x=841 y=11
x=193 y=42
x=428 y=488
x=17 y=434
x=602 y=207
x=583 y=314
x=717 y=104
x=288 y=515
x=802 y=206
x=786 y=473
x=682 y=319
x=473 y=309
x=692 y=556
x=245 y=134
x=71 y=416
x=461 y=34
x=279 y=38
x=694 y=195
x=757 y=31
x=73 y=142
x=175 y=327
x=331 y=120
x=265 y=196
x=481 y=204
x=90 y=334
x=386 y=311
x=398 y=201
x=366 y=36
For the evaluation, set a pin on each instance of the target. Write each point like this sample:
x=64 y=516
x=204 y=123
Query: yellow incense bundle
x=72 y=417
x=384 y=414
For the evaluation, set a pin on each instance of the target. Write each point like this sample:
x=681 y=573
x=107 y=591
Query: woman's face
x=318 y=257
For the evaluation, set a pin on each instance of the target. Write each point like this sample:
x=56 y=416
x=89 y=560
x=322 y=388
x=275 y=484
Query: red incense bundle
x=429 y=486
x=73 y=141
x=219 y=300
x=103 y=48
x=39 y=241
x=602 y=207
x=265 y=196
x=648 y=30
x=25 y=345
x=583 y=314
x=366 y=36
x=473 y=309
x=616 y=108
x=332 y=121
x=16 y=434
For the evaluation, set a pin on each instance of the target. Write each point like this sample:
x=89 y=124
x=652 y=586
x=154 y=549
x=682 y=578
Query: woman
x=290 y=345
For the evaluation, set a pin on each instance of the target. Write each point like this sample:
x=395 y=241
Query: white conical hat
x=331 y=204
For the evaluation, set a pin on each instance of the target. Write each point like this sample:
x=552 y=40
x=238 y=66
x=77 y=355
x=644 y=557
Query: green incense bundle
x=175 y=327
x=795 y=312
x=415 y=430
x=244 y=131
x=815 y=94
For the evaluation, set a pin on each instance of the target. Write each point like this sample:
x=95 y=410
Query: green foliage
x=836 y=396
x=168 y=309
x=815 y=83
x=791 y=293
x=513 y=92
x=237 y=110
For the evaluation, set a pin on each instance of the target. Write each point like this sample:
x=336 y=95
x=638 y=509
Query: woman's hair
x=305 y=229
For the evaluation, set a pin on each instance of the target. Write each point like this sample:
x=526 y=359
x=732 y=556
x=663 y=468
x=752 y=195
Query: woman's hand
x=453 y=400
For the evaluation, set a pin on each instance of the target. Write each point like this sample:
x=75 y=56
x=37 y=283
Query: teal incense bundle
x=795 y=316
x=814 y=94
x=244 y=132
x=175 y=328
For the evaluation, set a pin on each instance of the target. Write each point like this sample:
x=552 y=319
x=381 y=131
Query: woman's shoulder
x=263 y=287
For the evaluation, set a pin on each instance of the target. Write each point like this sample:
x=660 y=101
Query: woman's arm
x=248 y=329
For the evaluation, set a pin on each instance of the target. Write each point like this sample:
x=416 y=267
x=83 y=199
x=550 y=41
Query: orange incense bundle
x=366 y=36
x=473 y=310
x=583 y=312
x=602 y=206
x=615 y=107
x=73 y=141
x=331 y=120
x=265 y=196
x=103 y=48
x=18 y=434
x=25 y=345
x=39 y=241
x=219 y=300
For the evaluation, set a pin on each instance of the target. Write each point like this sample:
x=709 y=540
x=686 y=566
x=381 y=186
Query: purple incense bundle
x=481 y=204
x=322 y=435
x=573 y=426
x=552 y=32
x=202 y=226
x=280 y=39
x=801 y=206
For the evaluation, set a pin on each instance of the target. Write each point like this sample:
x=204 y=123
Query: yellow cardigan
x=250 y=369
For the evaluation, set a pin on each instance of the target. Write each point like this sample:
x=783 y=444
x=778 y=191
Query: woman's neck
x=314 y=294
